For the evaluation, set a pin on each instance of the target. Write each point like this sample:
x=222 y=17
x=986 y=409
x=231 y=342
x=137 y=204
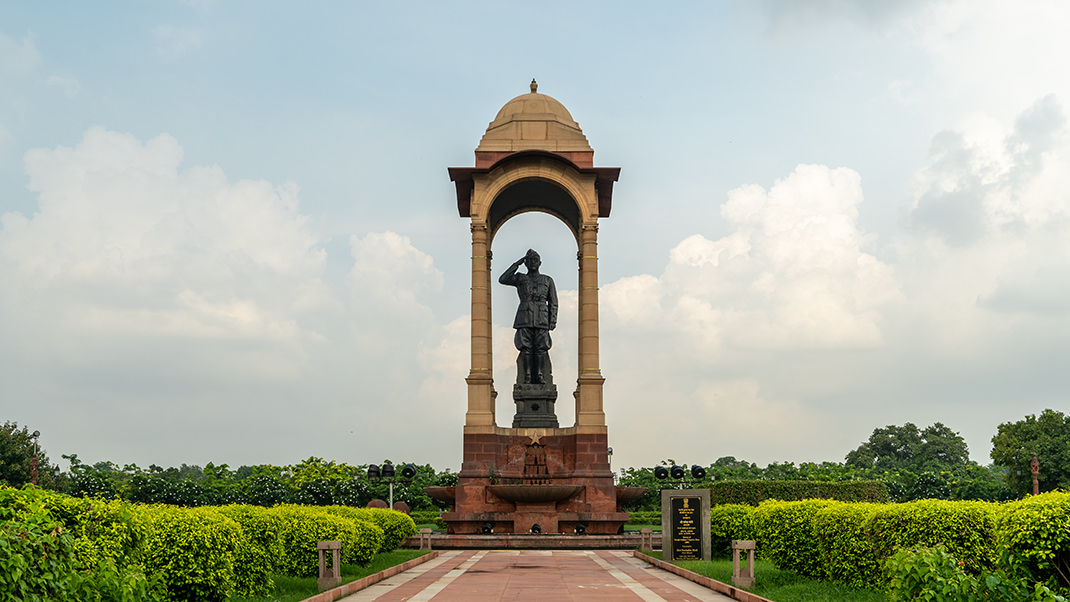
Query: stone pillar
x=589 y=391
x=480 y=378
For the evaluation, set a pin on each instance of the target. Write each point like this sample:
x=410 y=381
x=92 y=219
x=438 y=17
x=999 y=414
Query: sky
x=227 y=232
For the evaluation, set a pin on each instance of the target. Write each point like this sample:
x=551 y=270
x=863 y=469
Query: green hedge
x=261 y=548
x=843 y=544
x=193 y=551
x=787 y=535
x=396 y=526
x=53 y=547
x=966 y=529
x=756 y=492
x=303 y=526
x=1036 y=533
x=728 y=522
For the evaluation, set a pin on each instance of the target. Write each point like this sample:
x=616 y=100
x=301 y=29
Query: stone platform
x=527 y=541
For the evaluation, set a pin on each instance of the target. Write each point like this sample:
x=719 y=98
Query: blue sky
x=228 y=235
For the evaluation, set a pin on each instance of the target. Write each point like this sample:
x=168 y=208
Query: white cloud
x=18 y=56
x=791 y=275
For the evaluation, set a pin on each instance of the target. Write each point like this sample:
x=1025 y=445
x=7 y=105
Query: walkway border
x=717 y=586
x=355 y=586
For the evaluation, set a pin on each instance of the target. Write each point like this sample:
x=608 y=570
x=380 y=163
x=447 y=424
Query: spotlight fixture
x=698 y=472
x=677 y=472
x=661 y=473
x=488 y=528
x=581 y=529
x=536 y=528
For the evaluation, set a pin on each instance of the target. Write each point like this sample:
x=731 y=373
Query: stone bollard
x=425 y=539
x=646 y=539
x=329 y=577
x=742 y=577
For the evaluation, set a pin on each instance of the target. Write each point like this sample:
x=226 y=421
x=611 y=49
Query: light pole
x=33 y=460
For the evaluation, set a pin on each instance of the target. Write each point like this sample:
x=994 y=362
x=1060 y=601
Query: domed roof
x=534 y=121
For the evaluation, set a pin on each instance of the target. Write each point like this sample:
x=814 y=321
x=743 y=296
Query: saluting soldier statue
x=535 y=318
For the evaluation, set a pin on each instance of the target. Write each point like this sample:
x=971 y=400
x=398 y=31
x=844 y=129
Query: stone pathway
x=536 y=575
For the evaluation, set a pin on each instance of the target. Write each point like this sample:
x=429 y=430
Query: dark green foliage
x=905 y=447
x=266 y=490
x=936 y=575
x=1048 y=436
x=755 y=492
x=16 y=457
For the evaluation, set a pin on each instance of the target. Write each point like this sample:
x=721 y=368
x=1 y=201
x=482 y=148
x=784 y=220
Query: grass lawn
x=784 y=586
x=294 y=589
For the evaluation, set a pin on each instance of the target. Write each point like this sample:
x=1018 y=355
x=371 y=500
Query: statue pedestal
x=535 y=406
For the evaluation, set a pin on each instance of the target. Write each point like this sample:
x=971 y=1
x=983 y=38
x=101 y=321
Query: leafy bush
x=787 y=536
x=755 y=492
x=258 y=555
x=728 y=522
x=193 y=551
x=936 y=575
x=1036 y=533
x=41 y=560
x=302 y=527
x=966 y=529
x=266 y=490
x=846 y=554
x=396 y=525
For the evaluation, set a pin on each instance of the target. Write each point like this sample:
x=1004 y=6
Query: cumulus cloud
x=143 y=293
x=791 y=275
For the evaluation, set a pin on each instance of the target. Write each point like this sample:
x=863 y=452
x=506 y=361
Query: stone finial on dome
x=534 y=86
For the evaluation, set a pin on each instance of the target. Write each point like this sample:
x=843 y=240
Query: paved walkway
x=536 y=575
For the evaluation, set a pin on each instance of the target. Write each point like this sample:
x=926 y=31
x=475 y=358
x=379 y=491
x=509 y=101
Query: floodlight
x=661 y=473
x=677 y=472
x=408 y=471
x=698 y=472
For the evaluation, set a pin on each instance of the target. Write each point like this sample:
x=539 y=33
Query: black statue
x=535 y=318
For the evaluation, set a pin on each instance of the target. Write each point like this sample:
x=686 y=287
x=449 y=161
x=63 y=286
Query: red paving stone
x=536 y=575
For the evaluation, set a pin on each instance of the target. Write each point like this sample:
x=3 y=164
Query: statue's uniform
x=537 y=313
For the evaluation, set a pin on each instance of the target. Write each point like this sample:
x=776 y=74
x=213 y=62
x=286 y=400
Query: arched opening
x=556 y=244
x=534 y=195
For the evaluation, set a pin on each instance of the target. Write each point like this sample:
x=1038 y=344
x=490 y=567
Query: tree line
x=914 y=463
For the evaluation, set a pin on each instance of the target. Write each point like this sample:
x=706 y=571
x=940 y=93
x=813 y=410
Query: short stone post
x=330 y=577
x=646 y=539
x=742 y=577
x=425 y=539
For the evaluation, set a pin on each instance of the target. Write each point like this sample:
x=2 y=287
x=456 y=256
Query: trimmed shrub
x=396 y=525
x=42 y=560
x=728 y=522
x=303 y=526
x=755 y=492
x=428 y=517
x=786 y=534
x=193 y=551
x=966 y=529
x=1036 y=533
x=258 y=555
x=845 y=551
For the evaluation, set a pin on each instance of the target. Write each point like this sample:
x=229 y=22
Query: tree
x=1047 y=436
x=906 y=448
x=16 y=458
